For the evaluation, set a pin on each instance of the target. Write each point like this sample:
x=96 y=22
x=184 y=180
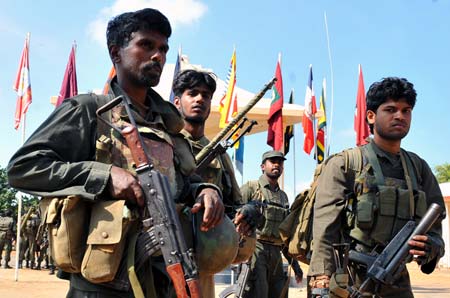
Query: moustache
x=153 y=65
x=201 y=107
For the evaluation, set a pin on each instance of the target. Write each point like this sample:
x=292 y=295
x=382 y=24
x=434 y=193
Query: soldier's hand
x=123 y=185
x=210 y=200
x=423 y=249
x=242 y=226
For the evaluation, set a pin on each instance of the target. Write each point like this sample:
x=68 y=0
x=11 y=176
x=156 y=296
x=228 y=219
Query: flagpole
x=19 y=196
x=293 y=147
x=282 y=123
x=327 y=150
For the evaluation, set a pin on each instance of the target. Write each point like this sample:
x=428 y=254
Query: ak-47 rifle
x=238 y=288
x=163 y=224
x=386 y=267
x=221 y=142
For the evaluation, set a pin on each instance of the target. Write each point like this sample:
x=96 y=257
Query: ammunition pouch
x=109 y=224
x=66 y=219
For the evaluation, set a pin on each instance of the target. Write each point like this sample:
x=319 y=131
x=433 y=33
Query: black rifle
x=386 y=267
x=238 y=288
x=221 y=142
x=163 y=224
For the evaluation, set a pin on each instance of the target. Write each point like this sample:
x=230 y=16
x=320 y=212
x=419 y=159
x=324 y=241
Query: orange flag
x=22 y=85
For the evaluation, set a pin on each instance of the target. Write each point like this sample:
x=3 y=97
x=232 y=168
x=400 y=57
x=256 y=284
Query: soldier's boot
x=32 y=265
x=52 y=270
x=27 y=264
x=38 y=267
x=6 y=266
x=20 y=264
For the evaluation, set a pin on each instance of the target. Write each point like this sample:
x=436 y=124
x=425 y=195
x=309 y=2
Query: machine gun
x=163 y=224
x=221 y=142
x=386 y=267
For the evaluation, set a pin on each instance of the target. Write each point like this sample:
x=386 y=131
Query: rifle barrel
x=202 y=154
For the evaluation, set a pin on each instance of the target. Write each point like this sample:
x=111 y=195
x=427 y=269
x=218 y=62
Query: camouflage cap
x=272 y=154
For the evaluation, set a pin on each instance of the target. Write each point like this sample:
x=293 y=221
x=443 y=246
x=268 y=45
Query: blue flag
x=239 y=157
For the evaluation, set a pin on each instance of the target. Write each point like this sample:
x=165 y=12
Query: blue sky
x=406 y=38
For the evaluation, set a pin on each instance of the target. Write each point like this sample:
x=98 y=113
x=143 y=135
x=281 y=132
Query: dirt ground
x=39 y=284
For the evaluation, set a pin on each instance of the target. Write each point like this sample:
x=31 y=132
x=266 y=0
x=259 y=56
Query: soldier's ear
x=177 y=101
x=370 y=115
x=114 y=53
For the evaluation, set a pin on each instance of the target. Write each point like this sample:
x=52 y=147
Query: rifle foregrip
x=194 y=288
x=176 y=274
x=130 y=134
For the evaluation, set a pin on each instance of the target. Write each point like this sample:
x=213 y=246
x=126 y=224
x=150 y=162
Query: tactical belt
x=270 y=243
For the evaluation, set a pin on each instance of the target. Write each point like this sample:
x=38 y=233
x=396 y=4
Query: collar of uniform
x=199 y=144
x=264 y=182
x=170 y=116
x=393 y=159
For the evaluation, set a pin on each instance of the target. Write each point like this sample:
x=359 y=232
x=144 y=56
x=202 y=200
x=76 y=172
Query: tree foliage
x=443 y=172
x=8 y=200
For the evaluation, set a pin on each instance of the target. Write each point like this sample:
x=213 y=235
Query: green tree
x=443 y=172
x=8 y=199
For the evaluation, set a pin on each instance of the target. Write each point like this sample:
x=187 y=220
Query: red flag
x=308 y=115
x=69 y=85
x=361 y=127
x=111 y=75
x=275 y=129
x=22 y=86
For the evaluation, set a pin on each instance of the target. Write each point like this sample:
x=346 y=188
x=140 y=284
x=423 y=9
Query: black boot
x=27 y=265
x=52 y=270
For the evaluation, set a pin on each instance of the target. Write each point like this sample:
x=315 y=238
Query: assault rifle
x=163 y=224
x=221 y=141
x=238 y=288
x=386 y=267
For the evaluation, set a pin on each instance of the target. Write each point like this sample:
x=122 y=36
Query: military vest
x=276 y=210
x=383 y=205
x=167 y=152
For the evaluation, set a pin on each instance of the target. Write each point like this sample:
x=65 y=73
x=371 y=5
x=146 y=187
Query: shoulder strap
x=353 y=160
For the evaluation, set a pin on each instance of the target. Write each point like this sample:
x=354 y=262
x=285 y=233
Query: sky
x=404 y=38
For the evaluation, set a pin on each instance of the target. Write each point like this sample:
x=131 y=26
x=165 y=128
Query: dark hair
x=389 y=88
x=188 y=79
x=122 y=26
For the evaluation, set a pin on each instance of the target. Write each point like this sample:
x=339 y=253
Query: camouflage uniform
x=70 y=155
x=29 y=247
x=334 y=187
x=267 y=277
x=7 y=231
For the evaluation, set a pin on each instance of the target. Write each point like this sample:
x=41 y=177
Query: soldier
x=377 y=202
x=267 y=277
x=30 y=248
x=7 y=233
x=193 y=92
x=64 y=147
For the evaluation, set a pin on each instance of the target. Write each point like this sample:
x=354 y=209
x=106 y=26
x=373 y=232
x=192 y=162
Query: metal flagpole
x=332 y=88
x=294 y=151
x=19 y=194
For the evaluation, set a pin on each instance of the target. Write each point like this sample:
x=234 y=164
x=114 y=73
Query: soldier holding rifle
x=193 y=94
x=59 y=159
x=368 y=209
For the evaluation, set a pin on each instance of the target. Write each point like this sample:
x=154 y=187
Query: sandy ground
x=39 y=284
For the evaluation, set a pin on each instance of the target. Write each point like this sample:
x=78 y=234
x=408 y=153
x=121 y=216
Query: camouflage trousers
x=6 y=244
x=267 y=277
